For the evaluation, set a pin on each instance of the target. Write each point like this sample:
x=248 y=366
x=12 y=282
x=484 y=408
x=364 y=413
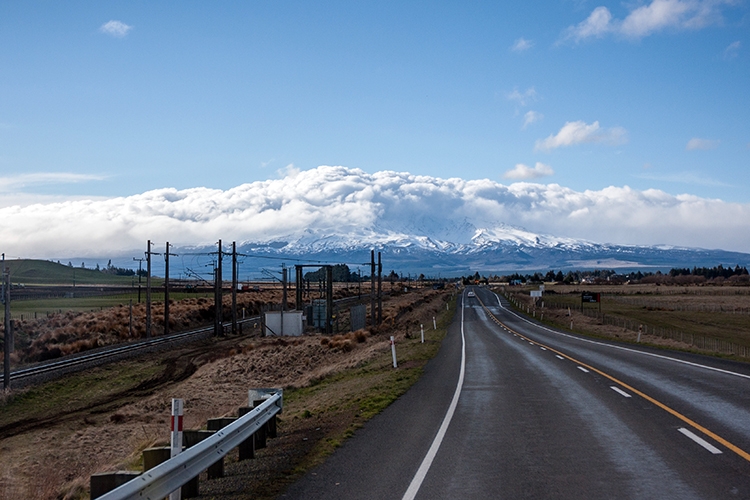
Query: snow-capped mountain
x=502 y=248
x=418 y=222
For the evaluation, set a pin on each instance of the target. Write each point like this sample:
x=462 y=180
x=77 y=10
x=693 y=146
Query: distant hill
x=44 y=272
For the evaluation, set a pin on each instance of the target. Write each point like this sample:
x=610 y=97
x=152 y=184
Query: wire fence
x=698 y=341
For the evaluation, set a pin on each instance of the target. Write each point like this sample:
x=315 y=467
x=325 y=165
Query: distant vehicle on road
x=471 y=294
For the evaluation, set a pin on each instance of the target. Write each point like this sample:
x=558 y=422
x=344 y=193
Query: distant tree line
x=696 y=275
x=710 y=272
x=341 y=273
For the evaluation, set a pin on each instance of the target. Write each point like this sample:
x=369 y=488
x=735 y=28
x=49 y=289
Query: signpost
x=591 y=298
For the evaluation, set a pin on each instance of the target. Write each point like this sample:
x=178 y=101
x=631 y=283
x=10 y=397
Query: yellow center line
x=739 y=451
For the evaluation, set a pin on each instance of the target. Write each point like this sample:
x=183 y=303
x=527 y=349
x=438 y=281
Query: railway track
x=53 y=369
x=57 y=368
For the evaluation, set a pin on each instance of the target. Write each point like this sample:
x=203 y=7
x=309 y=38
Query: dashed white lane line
x=543 y=348
x=559 y=357
x=584 y=370
x=713 y=449
x=620 y=391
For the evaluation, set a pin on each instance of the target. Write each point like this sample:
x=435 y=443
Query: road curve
x=544 y=414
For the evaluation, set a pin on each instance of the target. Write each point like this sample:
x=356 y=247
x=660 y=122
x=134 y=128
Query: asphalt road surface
x=512 y=409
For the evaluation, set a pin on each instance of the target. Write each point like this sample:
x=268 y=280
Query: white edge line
x=416 y=482
x=620 y=391
x=697 y=365
x=713 y=449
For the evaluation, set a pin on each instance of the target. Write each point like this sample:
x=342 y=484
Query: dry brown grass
x=88 y=440
x=66 y=333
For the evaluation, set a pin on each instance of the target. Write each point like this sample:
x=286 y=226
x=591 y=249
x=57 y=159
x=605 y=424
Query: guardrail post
x=262 y=433
x=105 y=482
x=191 y=438
x=214 y=424
x=247 y=447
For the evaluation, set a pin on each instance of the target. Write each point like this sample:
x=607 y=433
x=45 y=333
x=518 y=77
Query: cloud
x=289 y=171
x=579 y=132
x=685 y=178
x=524 y=172
x=696 y=144
x=17 y=182
x=732 y=50
x=352 y=204
x=531 y=117
x=522 y=45
x=116 y=29
x=645 y=20
x=596 y=25
x=522 y=97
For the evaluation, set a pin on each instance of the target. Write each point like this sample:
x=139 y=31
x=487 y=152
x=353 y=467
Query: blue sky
x=216 y=94
x=103 y=99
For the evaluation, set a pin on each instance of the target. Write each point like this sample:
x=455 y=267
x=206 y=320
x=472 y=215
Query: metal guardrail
x=167 y=477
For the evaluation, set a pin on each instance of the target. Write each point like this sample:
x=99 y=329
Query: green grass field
x=44 y=272
x=27 y=309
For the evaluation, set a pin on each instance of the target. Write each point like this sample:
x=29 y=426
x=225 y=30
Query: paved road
x=512 y=409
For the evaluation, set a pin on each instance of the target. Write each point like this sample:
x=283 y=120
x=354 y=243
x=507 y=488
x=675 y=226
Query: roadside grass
x=338 y=403
x=690 y=312
x=358 y=394
x=75 y=392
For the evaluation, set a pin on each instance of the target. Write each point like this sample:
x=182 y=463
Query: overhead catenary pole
x=380 y=290
x=298 y=283
x=329 y=299
x=234 y=287
x=8 y=333
x=140 y=267
x=166 y=289
x=218 y=330
x=283 y=298
x=372 y=288
x=148 y=291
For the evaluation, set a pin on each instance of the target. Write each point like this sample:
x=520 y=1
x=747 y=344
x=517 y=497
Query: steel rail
x=168 y=476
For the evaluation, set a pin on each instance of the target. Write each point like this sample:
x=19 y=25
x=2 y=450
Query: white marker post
x=176 y=439
x=393 y=351
x=421 y=327
x=434 y=323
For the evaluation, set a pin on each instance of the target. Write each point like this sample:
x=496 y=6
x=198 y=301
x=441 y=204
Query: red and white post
x=176 y=439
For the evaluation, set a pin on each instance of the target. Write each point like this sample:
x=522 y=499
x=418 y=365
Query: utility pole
x=166 y=289
x=329 y=299
x=234 y=287
x=380 y=290
x=218 y=330
x=149 y=253
x=372 y=288
x=283 y=295
x=8 y=335
x=140 y=267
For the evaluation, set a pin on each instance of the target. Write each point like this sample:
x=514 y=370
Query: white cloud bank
x=353 y=203
x=645 y=20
